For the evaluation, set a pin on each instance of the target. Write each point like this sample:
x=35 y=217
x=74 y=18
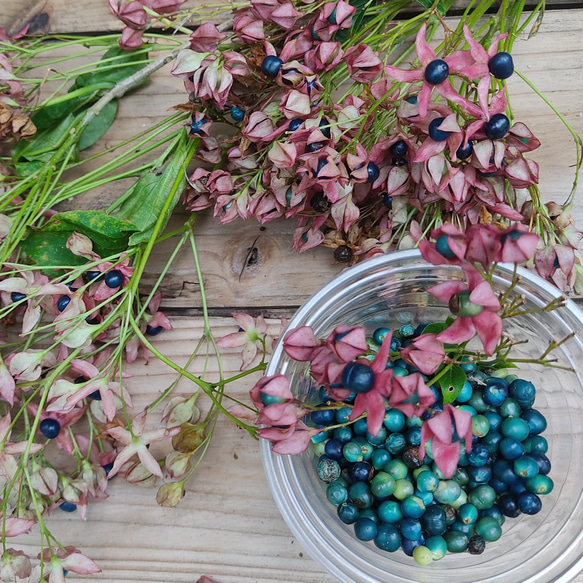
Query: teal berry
x=489 y=529
x=390 y=511
x=238 y=114
x=525 y=467
x=457 y=542
x=438 y=547
x=443 y=248
x=382 y=485
x=460 y=305
x=336 y=493
x=388 y=538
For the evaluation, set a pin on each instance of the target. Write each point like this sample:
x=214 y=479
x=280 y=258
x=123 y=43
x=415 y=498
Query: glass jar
x=391 y=290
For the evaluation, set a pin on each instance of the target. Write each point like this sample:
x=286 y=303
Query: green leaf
x=43 y=142
x=145 y=200
x=115 y=66
x=452 y=383
x=49 y=249
x=435 y=328
x=431 y=3
x=98 y=126
x=110 y=235
x=24 y=169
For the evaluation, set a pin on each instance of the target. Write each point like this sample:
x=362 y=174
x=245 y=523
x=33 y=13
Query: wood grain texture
x=228 y=526
x=65 y=16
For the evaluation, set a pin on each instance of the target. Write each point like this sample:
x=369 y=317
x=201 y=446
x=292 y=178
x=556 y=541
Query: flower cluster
x=401 y=147
x=135 y=17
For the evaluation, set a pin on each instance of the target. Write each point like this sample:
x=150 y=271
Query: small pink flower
x=67 y=559
x=411 y=395
x=518 y=244
x=445 y=430
x=136 y=443
x=248 y=28
x=373 y=402
x=476 y=297
x=258 y=127
x=347 y=342
x=452 y=246
x=456 y=63
x=252 y=336
x=425 y=353
x=484 y=243
x=300 y=343
x=206 y=38
x=15 y=526
x=363 y=63
x=8 y=449
x=290 y=440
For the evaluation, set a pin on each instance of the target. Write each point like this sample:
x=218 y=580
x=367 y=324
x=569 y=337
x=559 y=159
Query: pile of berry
x=392 y=497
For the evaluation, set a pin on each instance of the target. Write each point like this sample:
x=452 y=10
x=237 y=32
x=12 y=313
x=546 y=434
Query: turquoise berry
x=443 y=248
x=427 y=481
x=380 y=334
x=379 y=458
x=237 y=114
x=536 y=444
x=347 y=512
x=396 y=468
x=365 y=529
x=460 y=305
x=468 y=513
x=390 y=511
x=477 y=401
x=352 y=452
x=394 y=420
x=482 y=497
x=413 y=507
x=457 y=542
x=540 y=484
x=388 y=538
x=403 y=489
x=510 y=408
x=466 y=393
x=515 y=427
x=447 y=492
x=382 y=485
x=526 y=467
x=336 y=493
x=360 y=495
x=489 y=529
x=523 y=392
x=438 y=547
x=480 y=425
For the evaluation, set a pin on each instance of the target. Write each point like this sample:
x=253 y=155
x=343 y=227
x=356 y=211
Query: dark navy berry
x=95 y=396
x=443 y=248
x=63 y=302
x=68 y=507
x=322 y=417
x=435 y=133
x=523 y=392
x=80 y=380
x=387 y=200
x=314 y=147
x=347 y=512
x=497 y=127
x=325 y=128
x=107 y=468
x=237 y=114
x=543 y=462
x=501 y=65
x=153 y=330
x=508 y=504
x=399 y=149
x=333 y=449
x=360 y=471
x=372 y=171
x=321 y=163
x=434 y=520
x=536 y=421
x=17 y=296
x=436 y=72
x=294 y=124
x=464 y=153
x=91 y=275
x=270 y=66
x=358 y=377
x=409 y=546
x=50 y=428
x=113 y=278
x=529 y=503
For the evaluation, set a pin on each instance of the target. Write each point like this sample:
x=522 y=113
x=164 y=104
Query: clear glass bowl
x=391 y=290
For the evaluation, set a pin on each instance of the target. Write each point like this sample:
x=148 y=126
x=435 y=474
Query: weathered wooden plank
x=60 y=16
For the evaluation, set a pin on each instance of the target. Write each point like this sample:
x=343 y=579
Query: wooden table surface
x=228 y=526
